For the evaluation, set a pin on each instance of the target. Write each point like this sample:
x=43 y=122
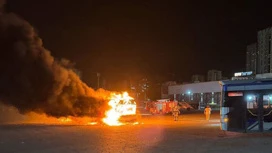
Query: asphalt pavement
x=153 y=133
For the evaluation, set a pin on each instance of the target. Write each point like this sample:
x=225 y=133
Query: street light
x=189 y=93
x=249 y=97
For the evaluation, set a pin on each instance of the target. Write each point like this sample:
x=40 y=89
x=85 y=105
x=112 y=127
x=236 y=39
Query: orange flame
x=64 y=120
x=121 y=105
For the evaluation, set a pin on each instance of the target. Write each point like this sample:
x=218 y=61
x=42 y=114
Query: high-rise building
x=251 y=58
x=198 y=78
x=164 y=88
x=214 y=75
x=264 y=51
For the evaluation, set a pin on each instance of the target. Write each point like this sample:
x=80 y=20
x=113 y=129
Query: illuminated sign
x=238 y=74
x=243 y=73
x=235 y=94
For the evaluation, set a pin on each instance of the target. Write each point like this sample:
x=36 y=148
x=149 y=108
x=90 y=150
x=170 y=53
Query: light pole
x=189 y=93
x=98 y=77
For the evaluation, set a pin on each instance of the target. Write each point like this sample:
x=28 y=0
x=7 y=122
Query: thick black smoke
x=2 y=2
x=32 y=80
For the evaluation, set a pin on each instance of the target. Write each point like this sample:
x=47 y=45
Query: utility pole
x=98 y=76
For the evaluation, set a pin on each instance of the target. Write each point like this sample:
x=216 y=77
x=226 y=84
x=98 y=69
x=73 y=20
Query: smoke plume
x=2 y=2
x=31 y=79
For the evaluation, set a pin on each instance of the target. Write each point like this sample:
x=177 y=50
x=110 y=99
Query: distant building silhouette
x=251 y=58
x=264 y=63
x=258 y=57
x=198 y=78
x=214 y=75
x=164 y=88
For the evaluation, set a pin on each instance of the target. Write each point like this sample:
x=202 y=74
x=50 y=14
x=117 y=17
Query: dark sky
x=127 y=39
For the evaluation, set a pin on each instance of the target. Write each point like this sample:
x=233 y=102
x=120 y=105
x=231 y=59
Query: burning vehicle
x=122 y=110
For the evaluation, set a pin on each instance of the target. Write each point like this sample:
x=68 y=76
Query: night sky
x=170 y=39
